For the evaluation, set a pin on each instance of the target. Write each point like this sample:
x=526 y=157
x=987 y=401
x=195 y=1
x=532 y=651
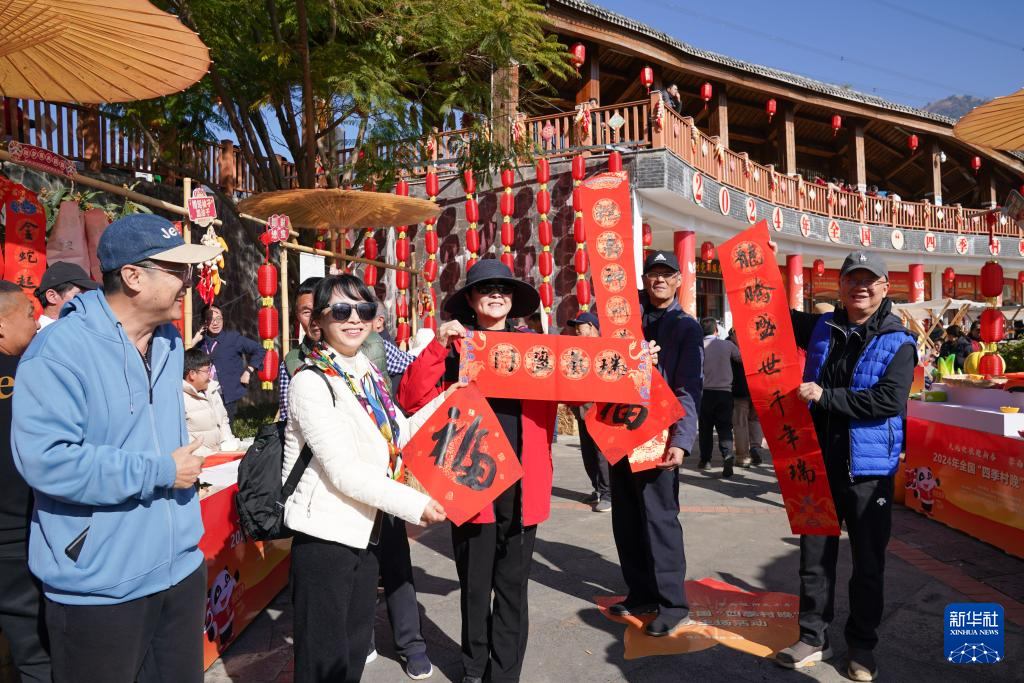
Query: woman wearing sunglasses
x=494 y=550
x=354 y=475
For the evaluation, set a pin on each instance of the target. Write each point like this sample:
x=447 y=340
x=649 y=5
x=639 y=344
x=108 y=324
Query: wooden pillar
x=858 y=167
x=936 y=172
x=720 y=115
x=590 y=74
x=504 y=101
x=787 y=138
x=286 y=327
x=795 y=281
x=988 y=196
x=916 y=282
x=89 y=131
x=186 y=234
x=657 y=135
x=685 y=244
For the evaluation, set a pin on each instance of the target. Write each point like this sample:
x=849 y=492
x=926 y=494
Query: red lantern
x=370 y=275
x=266 y=280
x=543 y=202
x=402 y=279
x=1020 y=278
x=578 y=55
x=402 y=249
x=579 y=261
x=647 y=237
x=705 y=93
x=992 y=364
x=707 y=252
x=976 y=164
x=991 y=280
x=268 y=373
x=577 y=200
x=472 y=211
x=615 y=162
x=430 y=241
x=544 y=233
x=579 y=168
x=583 y=292
x=546 y=263
x=370 y=246
x=430 y=270
x=401 y=332
x=472 y=241
x=837 y=123
x=508 y=234
x=433 y=184
x=547 y=294
x=912 y=142
x=949 y=275
x=402 y=307
x=819 y=267
x=267 y=323
x=508 y=177
x=508 y=203
x=647 y=78
x=543 y=171
x=469 y=182
x=402 y=187
x=509 y=260
x=579 y=231
x=993 y=325
x=770 y=107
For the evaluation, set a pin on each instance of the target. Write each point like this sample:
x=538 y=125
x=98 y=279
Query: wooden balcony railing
x=100 y=140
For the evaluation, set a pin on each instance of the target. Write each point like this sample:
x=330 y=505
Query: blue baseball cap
x=585 y=318
x=143 y=236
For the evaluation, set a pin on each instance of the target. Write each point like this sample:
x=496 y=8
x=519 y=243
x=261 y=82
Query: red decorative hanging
x=615 y=162
x=578 y=55
x=402 y=276
x=433 y=184
x=991 y=280
x=707 y=252
x=770 y=108
x=819 y=267
x=508 y=208
x=647 y=237
x=705 y=93
x=912 y=143
x=430 y=244
x=976 y=164
x=370 y=251
x=579 y=232
x=472 y=216
x=993 y=325
x=268 y=373
x=268 y=321
x=583 y=293
x=949 y=275
x=837 y=123
x=992 y=364
x=266 y=283
x=647 y=78
x=545 y=260
x=579 y=169
x=1020 y=278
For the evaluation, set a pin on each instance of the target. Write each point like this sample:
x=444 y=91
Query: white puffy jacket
x=346 y=482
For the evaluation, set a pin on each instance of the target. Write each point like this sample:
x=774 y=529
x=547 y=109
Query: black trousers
x=231 y=409
x=595 y=463
x=399 y=590
x=155 y=639
x=866 y=506
x=21 y=615
x=715 y=414
x=494 y=560
x=334 y=589
x=649 y=537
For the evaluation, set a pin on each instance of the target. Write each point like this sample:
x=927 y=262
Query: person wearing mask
x=494 y=550
x=586 y=325
x=645 y=512
x=236 y=358
x=354 y=434
x=60 y=284
x=746 y=426
x=205 y=417
x=716 y=400
x=99 y=434
x=21 y=600
x=857 y=378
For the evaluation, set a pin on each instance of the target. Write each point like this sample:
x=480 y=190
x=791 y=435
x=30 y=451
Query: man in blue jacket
x=857 y=377
x=645 y=505
x=99 y=434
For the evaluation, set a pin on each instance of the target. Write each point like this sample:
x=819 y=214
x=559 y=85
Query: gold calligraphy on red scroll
x=764 y=333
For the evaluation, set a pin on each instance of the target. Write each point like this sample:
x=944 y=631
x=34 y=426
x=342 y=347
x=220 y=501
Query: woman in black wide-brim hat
x=494 y=550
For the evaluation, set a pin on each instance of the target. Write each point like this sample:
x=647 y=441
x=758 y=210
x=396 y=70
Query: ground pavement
x=735 y=531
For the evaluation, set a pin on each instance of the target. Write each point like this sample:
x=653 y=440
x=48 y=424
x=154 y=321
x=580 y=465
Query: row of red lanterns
x=546 y=260
x=579 y=233
x=508 y=207
x=268 y=322
x=430 y=268
x=403 y=328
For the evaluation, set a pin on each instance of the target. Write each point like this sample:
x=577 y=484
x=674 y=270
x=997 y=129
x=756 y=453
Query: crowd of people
x=102 y=578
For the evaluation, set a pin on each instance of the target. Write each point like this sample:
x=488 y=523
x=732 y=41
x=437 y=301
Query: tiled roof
x=767 y=72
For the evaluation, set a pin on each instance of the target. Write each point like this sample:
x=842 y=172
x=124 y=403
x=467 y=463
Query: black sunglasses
x=342 y=311
x=489 y=288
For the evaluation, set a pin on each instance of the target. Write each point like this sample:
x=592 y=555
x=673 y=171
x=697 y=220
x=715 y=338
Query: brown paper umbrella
x=340 y=209
x=93 y=51
x=998 y=124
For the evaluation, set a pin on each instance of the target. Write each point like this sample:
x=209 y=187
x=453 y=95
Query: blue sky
x=907 y=51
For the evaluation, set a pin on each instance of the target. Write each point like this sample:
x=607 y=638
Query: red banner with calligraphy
x=621 y=429
x=25 y=241
x=461 y=456
x=570 y=369
x=764 y=333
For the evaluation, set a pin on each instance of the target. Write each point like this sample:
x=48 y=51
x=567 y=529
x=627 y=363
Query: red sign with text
x=764 y=333
x=461 y=456
x=25 y=241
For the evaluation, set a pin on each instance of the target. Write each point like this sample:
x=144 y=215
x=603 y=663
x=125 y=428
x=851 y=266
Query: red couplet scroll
x=461 y=456
x=569 y=369
x=764 y=332
x=620 y=429
x=25 y=243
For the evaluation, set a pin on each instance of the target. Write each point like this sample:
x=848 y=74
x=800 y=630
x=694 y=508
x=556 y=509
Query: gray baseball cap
x=864 y=260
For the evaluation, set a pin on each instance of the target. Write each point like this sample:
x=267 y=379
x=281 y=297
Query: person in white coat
x=205 y=415
x=354 y=476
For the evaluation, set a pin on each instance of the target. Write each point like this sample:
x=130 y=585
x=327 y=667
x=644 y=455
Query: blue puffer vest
x=875 y=445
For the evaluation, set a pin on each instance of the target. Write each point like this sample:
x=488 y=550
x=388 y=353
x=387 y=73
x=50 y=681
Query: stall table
x=964 y=463
x=243 y=576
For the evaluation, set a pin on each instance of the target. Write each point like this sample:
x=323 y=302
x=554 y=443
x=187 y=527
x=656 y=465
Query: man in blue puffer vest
x=99 y=434
x=860 y=365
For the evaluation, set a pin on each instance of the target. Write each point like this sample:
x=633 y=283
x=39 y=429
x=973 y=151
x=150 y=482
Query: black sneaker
x=704 y=464
x=418 y=666
x=626 y=609
x=727 y=467
x=472 y=679
x=801 y=654
x=755 y=457
x=860 y=665
x=661 y=627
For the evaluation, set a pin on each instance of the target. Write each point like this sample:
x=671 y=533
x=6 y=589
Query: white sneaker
x=372 y=656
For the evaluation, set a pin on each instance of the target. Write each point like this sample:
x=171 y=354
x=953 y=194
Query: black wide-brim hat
x=525 y=299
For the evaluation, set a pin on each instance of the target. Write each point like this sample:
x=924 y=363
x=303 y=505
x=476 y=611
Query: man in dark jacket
x=236 y=358
x=958 y=344
x=859 y=368
x=645 y=510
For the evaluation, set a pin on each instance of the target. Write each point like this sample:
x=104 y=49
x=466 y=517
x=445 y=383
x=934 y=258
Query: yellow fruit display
x=971 y=364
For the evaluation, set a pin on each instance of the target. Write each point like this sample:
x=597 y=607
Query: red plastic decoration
x=430 y=270
x=647 y=237
x=546 y=263
x=268 y=373
x=579 y=168
x=615 y=162
x=993 y=325
x=543 y=171
x=579 y=261
x=402 y=307
x=579 y=231
x=508 y=177
x=433 y=184
x=912 y=143
x=430 y=244
x=949 y=275
x=508 y=233
x=509 y=260
x=578 y=55
x=543 y=202
x=976 y=164
x=837 y=123
x=370 y=248
x=547 y=294
x=991 y=280
x=430 y=241
x=268 y=322
x=819 y=267
x=472 y=241
x=468 y=182
x=583 y=292
x=472 y=211
x=647 y=78
x=402 y=188
x=402 y=249
x=992 y=364
x=508 y=203
x=370 y=275
x=770 y=107
x=402 y=279
x=544 y=232
x=401 y=331
x=705 y=93
x=707 y=252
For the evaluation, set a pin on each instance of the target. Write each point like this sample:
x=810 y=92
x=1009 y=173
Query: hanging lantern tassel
x=545 y=261
x=508 y=207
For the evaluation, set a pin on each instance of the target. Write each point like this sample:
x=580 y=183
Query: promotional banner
x=25 y=241
x=461 y=456
x=620 y=429
x=968 y=480
x=764 y=333
x=569 y=369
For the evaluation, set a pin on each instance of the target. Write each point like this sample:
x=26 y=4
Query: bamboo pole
x=285 y=326
x=354 y=259
x=186 y=233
